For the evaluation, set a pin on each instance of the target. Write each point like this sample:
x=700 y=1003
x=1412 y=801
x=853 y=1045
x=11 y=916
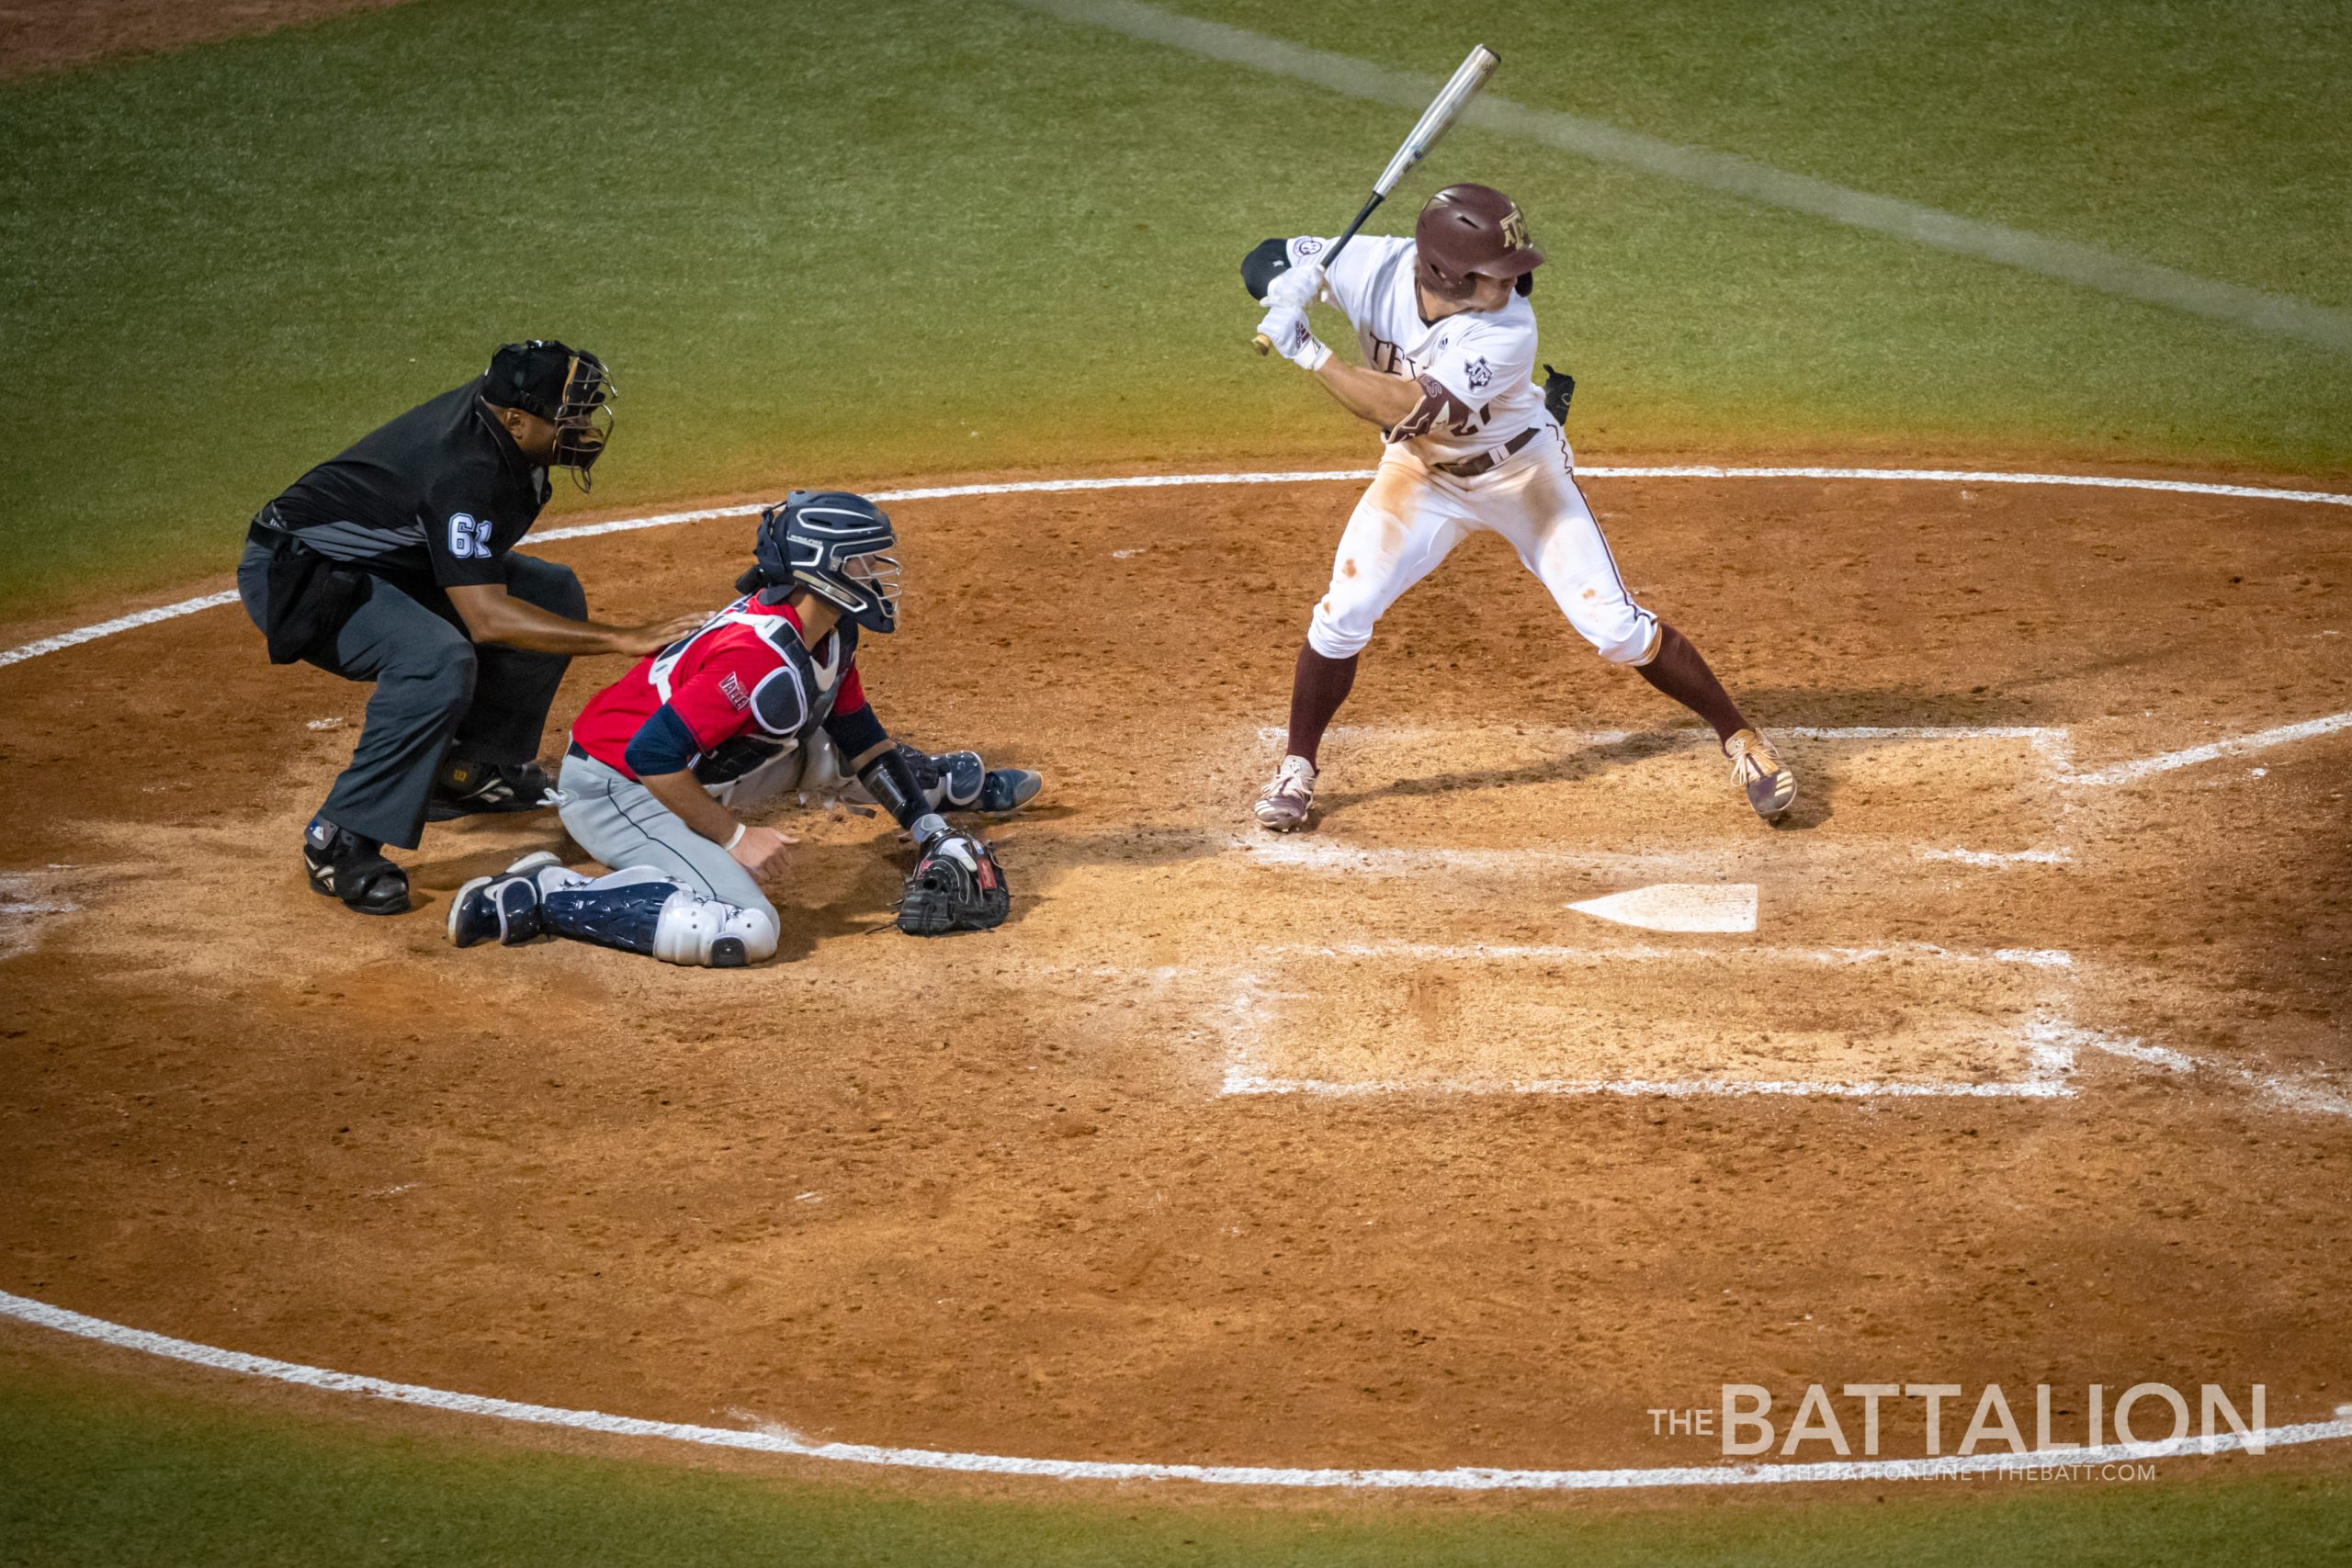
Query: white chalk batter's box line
x=1314 y=852
x=2051 y=745
x=2046 y=1042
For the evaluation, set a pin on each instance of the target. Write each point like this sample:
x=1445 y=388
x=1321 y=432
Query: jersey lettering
x=1390 y=360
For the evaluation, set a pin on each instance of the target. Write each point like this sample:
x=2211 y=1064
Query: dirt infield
x=39 y=36
x=1356 y=1148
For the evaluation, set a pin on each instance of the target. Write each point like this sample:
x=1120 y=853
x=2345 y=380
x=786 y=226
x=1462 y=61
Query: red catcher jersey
x=745 y=672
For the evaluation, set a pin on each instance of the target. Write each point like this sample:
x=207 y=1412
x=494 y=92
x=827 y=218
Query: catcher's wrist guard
x=894 y=788
x=956 y=885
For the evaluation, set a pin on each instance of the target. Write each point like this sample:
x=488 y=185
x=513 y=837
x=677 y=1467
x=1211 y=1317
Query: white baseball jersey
x=1476 y=371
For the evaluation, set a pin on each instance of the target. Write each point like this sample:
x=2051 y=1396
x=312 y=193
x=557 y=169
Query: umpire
x=394 y=563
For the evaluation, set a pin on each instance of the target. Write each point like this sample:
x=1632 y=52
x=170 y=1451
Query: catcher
x=764 y=696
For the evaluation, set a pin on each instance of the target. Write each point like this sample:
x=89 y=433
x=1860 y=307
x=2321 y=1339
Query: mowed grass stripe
x=2207 y=139
x=2061 y=259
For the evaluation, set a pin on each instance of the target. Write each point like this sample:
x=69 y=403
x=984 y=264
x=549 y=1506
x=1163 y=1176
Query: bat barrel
x=1438 y=118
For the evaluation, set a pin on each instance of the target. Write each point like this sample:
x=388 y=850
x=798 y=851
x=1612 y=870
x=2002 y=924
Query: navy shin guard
x=610 y=912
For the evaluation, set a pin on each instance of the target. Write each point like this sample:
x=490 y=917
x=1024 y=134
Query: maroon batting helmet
x=1468 y=229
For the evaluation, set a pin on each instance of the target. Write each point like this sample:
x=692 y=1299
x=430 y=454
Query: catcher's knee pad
x=960 y=781
x=698 y=930
x=952 y=779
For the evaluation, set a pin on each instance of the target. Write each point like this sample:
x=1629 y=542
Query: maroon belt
x=1471 y=467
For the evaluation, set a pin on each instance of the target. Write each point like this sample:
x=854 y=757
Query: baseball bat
x=1435 y=121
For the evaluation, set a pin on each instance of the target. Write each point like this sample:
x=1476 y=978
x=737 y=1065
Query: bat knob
x=1263 y=344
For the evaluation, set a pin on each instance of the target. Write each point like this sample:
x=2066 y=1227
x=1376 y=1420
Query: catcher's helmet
x=835 y=545
x=569 y=387
x=1468 y=229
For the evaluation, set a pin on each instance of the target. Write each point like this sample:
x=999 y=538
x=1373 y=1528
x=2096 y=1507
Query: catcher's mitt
x=1559 y=388
x=956 y=885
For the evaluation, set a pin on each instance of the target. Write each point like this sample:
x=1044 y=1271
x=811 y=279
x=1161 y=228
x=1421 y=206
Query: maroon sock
x=1316 y=690
x=1681 y=673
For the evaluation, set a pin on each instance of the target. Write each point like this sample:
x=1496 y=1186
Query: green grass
x=839 y=242
x=102 y=1470
x=2201 y=136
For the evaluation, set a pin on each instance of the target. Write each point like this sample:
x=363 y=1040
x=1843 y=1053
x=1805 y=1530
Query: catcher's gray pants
x=433 y=684
x=618 y=820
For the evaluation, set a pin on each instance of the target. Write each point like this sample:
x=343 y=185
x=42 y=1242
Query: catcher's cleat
x=1009 y=789
x=467 y=789
x=1284 y=804
x=506 y=907
x=1757 y=769
x=344 y=865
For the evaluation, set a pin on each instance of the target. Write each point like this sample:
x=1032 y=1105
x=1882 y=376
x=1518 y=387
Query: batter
x=1448 y=339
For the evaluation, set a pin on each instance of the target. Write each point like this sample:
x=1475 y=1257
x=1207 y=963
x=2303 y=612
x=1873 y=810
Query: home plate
x=1678 y=907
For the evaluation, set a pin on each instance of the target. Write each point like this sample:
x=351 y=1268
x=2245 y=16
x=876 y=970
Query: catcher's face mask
x=841 y=547
x=874 y=579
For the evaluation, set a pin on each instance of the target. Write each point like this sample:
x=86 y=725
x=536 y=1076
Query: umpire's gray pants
x=437 y=690
x=618 y=820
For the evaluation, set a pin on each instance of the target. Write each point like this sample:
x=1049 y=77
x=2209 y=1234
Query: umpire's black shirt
x=432 y=501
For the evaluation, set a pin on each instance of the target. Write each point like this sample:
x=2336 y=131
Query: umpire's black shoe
x=465 y=788
x=346 y=866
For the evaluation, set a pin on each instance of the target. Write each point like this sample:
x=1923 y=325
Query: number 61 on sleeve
x=468 y=537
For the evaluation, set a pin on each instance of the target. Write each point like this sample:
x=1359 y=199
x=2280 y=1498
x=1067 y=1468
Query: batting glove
x=1296 y=287
x=1286 y=326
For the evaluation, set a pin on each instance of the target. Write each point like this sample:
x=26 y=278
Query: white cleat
x=1284 y=804
x=1757 y=770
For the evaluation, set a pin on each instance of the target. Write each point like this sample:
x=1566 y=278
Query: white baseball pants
x=1412 y=516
